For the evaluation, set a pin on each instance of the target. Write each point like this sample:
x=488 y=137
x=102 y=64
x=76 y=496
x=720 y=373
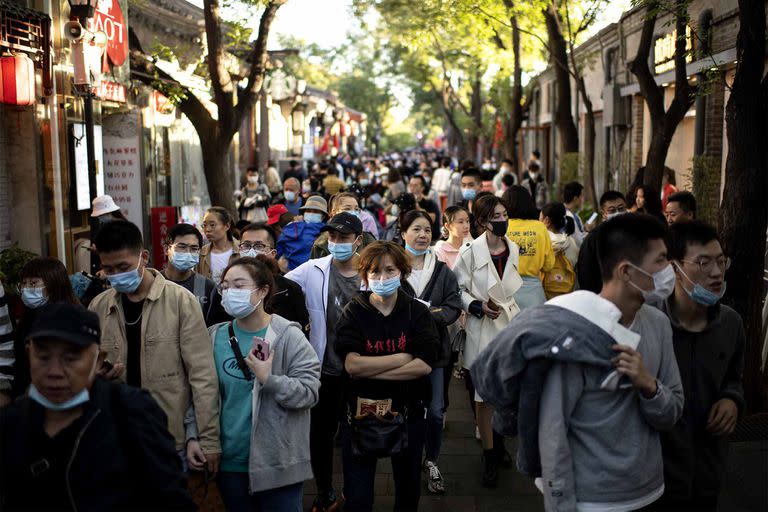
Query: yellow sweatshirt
x=536 y=254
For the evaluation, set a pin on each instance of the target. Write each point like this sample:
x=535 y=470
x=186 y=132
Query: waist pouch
x=373 y=435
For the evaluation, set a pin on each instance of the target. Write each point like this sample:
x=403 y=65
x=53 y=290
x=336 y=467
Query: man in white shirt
x=573 y=199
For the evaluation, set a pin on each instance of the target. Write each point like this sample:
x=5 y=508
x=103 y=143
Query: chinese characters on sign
x=163 y=219
x=664 y=51
x=122 y=164
x=110 y=91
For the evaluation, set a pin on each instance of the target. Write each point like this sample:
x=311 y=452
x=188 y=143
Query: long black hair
x=519 y=203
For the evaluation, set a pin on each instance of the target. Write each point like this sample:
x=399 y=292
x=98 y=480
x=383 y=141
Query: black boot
x=503 y=458
x=491 y=470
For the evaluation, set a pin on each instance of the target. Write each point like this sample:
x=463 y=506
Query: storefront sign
x=110 y=91
x=162 y=103
x=80 y=154
x=109 y=19
x=163 y=219
x=122 y=164
x=664 y=51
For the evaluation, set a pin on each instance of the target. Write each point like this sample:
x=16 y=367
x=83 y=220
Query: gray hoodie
x=601 y=446
x=279 y=454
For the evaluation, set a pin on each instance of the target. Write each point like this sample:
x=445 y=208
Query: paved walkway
x=461 y=467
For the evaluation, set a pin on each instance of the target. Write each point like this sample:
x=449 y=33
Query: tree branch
x=258 y=60
x=221 y=81
x=639 y=66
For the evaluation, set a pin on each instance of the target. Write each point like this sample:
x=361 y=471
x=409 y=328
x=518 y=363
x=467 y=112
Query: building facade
x=623 y=125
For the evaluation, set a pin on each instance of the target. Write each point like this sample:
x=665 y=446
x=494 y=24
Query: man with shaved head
x=291 y=196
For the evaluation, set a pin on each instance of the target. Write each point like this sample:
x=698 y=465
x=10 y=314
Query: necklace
x=135 y=321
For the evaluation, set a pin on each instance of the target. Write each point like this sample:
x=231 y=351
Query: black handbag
x=379 y=436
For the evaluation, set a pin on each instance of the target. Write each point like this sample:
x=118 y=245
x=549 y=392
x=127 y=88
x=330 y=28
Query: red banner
x=163 y=219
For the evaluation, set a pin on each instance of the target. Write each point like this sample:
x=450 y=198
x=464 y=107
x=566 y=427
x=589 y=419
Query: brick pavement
x=461 y=467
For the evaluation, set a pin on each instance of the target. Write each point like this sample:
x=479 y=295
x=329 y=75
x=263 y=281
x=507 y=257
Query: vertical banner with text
x=163 y=219
x=122 y=164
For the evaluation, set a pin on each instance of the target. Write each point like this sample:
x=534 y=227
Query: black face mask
x=499 y=227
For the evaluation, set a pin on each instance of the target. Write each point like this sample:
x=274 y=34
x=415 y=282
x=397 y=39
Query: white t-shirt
x=219 y=261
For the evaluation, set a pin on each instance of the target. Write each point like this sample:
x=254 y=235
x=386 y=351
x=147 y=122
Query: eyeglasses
x=247 y=246
x=194 y=249
x=706 y=264
x=19 y=288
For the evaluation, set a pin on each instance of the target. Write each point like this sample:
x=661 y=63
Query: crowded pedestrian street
x=373 y=255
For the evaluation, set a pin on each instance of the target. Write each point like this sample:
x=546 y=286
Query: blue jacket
x=296 y=240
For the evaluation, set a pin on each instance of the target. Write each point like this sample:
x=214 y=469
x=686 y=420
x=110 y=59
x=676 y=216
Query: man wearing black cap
x=79 y=442
x=329 y=283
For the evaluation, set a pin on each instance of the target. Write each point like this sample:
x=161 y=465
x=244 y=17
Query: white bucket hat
x=102 y=205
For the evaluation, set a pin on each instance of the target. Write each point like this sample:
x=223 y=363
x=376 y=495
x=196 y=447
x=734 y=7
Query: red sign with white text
x=110 y=91
x=109 y=19
x=163 y=219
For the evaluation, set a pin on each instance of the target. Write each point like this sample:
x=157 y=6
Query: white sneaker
x=477 y=432
x=435 y=483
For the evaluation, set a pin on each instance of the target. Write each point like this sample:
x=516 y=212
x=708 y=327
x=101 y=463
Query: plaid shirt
x=6 y=344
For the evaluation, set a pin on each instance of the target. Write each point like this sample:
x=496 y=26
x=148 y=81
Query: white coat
x=479 y=280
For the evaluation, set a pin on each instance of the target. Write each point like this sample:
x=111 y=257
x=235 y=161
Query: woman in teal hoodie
x=269 y=377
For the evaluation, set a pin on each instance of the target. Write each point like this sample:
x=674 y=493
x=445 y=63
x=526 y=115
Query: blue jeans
x=435 y=414
x=359 y=473
x=234 y=492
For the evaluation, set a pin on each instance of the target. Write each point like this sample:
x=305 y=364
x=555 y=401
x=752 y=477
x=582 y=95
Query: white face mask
x=663 y=284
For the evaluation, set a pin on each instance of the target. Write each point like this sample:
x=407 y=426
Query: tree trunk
x=558 y=58
x=663 y=122
x=744 y=211
x=589 y=154
x=516 y=116
x=217 y=176
x=476 y=110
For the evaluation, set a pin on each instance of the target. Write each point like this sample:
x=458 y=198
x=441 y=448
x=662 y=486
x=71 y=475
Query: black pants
x=360 y=473
x=325 y=419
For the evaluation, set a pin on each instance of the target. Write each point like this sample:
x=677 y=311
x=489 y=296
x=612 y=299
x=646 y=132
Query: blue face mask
x=701 y=295
x=341 y=252
x=237 y=303
x=468 y=194
x=386 y=287
x=415 y=252
x=290 y=196
x=184 y=261
x=34 y=297
x=364 y=183
x=77 y=400
x=356 y=213
x=313 y=218
x=126 y=282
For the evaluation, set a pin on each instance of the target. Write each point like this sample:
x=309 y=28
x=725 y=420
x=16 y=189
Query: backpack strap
x=433 y=280
x=238 y=354
x=198 y=290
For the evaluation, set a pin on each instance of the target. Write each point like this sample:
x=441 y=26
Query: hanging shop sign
x=163 y=219
x=664 y=51
x=110 y=91
x=109 y=19
x=82 y=187
x=122 y=164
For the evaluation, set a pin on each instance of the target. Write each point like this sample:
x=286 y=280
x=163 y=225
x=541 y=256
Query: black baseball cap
x=66 y=322
x=344 y=223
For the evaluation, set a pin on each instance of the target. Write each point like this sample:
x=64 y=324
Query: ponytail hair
x=558 y=217
x=226 y=218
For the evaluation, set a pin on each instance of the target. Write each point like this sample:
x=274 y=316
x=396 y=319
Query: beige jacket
x=204 y=267
x=177 y=365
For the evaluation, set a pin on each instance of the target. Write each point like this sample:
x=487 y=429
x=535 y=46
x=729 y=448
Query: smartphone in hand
x=260 y=348
x=492 y=305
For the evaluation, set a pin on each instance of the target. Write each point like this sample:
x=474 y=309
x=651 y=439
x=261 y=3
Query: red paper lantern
x=17 y=79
